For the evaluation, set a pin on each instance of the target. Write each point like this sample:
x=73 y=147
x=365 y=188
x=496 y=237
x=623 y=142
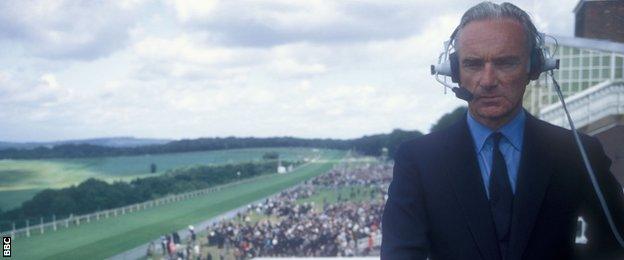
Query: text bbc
x=6 y=246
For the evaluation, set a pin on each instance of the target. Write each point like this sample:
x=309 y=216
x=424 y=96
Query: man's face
x=493 y=60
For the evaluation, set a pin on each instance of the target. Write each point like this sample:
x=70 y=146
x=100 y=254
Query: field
x=107 y=237
x=21 y=179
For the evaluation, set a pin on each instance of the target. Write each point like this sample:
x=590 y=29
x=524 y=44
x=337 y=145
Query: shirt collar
x=513 y=131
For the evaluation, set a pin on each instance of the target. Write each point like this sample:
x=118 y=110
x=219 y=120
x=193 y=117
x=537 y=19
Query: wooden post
x=27 y=228
x=41 y=224
x=54 y=222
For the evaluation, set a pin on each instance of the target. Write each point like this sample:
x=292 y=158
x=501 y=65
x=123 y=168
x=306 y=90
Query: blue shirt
x=510 y=146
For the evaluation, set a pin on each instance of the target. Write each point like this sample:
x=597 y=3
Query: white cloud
x=44 y=93
x=66 y=29
x=192 y=9
x=182 y=48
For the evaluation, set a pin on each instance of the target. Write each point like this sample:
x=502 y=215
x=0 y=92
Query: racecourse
x=107 y=237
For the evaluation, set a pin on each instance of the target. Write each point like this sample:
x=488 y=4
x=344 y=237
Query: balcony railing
x=588 y=106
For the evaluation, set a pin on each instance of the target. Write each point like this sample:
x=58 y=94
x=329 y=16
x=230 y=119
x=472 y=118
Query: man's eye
x=506 y=64
x=472 y=64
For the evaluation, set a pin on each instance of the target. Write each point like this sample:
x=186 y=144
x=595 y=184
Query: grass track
x=104 y=238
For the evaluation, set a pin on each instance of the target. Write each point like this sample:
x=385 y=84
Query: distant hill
x=368 y=145
x=116 y=142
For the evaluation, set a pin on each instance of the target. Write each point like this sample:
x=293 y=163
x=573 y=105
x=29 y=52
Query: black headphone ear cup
x=454 y=60
x=537 y=63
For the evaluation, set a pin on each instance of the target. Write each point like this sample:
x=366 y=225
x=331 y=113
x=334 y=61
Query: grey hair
x=488 y=10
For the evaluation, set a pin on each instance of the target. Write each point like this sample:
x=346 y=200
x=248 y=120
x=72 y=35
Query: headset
x=448 y=65
x=541 y=60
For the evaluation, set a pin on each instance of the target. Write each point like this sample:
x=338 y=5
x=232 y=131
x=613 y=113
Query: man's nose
x=488 y=77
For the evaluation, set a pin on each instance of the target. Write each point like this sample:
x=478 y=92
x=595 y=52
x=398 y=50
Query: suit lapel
x=465 y=177
x=533 y=177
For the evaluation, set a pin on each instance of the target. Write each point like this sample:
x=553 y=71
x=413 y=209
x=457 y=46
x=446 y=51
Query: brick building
x=600 y=19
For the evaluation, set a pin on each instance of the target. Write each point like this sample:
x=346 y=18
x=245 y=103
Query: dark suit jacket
x=437 y=206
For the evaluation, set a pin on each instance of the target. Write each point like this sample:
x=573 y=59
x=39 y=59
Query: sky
x=208 y=68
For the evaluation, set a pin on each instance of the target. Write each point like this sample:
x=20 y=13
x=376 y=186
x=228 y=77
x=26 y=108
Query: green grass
x=107 y=237
x=13 y=199
x=22 y=175
x=137 y=165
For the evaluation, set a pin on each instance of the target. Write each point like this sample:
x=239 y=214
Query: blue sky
x=186 y=69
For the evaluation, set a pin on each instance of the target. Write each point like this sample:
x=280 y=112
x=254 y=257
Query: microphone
x=463 y=93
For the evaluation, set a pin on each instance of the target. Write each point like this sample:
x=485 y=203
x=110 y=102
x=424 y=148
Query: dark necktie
x=501 y=195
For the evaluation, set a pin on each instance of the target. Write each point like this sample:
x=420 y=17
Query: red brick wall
x=601 y=20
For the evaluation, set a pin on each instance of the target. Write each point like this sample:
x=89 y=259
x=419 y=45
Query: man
x=499 y=184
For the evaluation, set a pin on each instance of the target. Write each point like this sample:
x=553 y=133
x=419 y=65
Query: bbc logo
x=6 y=246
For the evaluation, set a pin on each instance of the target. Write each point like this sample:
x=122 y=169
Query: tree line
x=368 y=145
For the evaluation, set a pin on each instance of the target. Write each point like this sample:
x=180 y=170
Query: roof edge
x=586 y=43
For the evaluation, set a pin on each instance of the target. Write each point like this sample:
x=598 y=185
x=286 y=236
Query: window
x=585 y=74
x=606 y=73
x=575 y=51
x=575 y=74
x=565 y=62
x=596 y=61
x=595 y=73
x=565 y=87
x=575 y=87
x=606 y=61
x=565 y=74
x=585 y=61
x=575 y=61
